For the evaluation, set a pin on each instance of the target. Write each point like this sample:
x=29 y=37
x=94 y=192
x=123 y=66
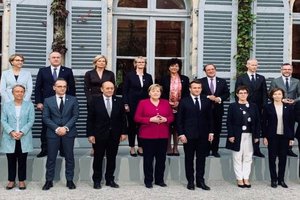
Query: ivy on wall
x=60 y=14
x=244 y=39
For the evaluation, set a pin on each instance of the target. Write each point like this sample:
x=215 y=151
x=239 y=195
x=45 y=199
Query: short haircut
x=60 y=79
x=13 y=56
x=284 y=64
x=18 y=85
x=153 y=86
x=204 y=68
x=174 y=61
x=275 y=90
x=242 y=87
x=195 y=81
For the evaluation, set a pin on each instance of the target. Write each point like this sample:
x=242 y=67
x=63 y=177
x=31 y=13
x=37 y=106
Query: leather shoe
x=203 y=186
x=71 y=185
x=10 y=185
x=291 y=153
x=258 y=154
x=282 y=183
x=273 y=184
x=22 y=185
x=48 y=185
x=190 y=186
x=216 y=154
x=140 y=154
x=133 y=154
x=148 y=185
x=112 y=184
x=43 y=153
x=97 y=185
x=161 y=184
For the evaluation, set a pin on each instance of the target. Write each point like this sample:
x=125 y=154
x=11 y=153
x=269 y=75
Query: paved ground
x=220 y=190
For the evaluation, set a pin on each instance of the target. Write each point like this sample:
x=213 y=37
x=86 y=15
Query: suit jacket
x=294 y=87
x=193 y=123
x=258 y=93
x=221 y=91
x=270 y=121
x=166 y=82
x=44 y=83
x=133 y=92
x=92 y=82
x=9 y=123
x=8 y=80
x=235 y=124
x=100 y=125
x=54 y=119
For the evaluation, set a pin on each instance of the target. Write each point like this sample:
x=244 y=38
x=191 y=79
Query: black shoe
x=48 y=185
x=273 y=184
x=112 y=184
x=202 y=185
x=133 y=154
x=161 y=184
x=149 y=185
x=97 y=185
x=140 y=154
x=258 y=154
x=190 y=186
x=241 y=186
x=43 y=153
x=10 y=187
x=71 y=185
x=291 y=153
x=216 y=154
x=282 y=183
x=247 y=186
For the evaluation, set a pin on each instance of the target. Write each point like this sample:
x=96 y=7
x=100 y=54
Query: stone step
x=131 y=168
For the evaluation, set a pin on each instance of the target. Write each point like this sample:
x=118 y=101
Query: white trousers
x=242 y=160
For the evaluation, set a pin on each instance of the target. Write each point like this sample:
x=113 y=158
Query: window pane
x=170 y=4
x=133 y=3
x=296 y=70
x=296 y=6
x=169 y=39
x=131 y=38
x=296 y=42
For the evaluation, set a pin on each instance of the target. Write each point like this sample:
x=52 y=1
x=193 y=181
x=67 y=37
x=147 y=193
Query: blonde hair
x=154 y=86
x=97 y=58
x=139 y=58
x=12 y=57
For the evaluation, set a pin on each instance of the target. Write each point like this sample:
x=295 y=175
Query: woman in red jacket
x=154 y=116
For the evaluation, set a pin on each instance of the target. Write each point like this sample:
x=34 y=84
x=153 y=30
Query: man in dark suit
x=44 y=88
x=258 y=93
x=106 y=127
x=60 y=114
x=291 y=87
x=194 y=125
x=216 y=90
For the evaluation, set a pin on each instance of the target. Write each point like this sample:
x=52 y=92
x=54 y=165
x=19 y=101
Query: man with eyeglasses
x=44 y=88
x=291 y=87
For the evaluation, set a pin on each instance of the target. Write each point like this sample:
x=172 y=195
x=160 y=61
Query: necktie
x=108 y=106
x=61 y=105
x=287 y=84
x=54 y=74
x=197 y=103
x=211 y=86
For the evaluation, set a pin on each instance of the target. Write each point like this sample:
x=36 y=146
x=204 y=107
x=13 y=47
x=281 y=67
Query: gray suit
x=294 y=87
x=53 y=119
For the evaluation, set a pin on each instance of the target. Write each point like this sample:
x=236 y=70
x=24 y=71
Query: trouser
x=13 y=159
x=154 y=148
x=242 y=159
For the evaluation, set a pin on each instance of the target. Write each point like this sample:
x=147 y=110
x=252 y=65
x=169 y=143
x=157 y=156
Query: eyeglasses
x=141 y=62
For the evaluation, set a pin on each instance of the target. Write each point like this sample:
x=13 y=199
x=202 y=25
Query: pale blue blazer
x=8 y=80
x=9 y=123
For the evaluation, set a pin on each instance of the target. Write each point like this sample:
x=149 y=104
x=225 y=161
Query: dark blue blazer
x=44 y=83
x=100 y=125
x=235 y=123
x=258 y=93
x=53 y=118
x=133 y=92
x=193 y=123
x=166 y=82
x=269 y=125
